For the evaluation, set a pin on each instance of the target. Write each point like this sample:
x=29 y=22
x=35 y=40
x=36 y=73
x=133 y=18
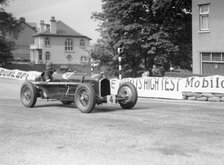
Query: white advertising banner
x=212 y=84
x=18 y=74
x=161 y=87
x=172 y=87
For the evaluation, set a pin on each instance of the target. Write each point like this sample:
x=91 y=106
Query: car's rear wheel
x=28 y=94
x=85 y=98
x=128 y=91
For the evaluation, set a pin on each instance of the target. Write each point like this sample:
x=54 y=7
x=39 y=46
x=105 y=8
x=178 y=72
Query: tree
x=5 y=53
x=7 y=27
x=175 y=16
x=150 y=31
x=105 y=53
x=116 y=29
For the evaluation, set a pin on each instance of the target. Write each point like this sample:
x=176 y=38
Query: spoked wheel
x=85 y=98
x=129 y=92
x=28 y=94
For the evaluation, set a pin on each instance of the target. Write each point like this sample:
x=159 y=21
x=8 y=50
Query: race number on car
x=111 y=99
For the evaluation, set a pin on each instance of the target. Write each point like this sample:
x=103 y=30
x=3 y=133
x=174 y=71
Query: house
x=208 y=37
x=23 y=41
x=59 y=44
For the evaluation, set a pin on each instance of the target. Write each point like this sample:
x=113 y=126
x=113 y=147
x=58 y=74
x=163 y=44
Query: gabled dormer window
x=68 y=45
x=82 y=42
x=47 y=41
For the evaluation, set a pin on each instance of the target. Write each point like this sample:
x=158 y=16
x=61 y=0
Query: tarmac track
x=155 y=132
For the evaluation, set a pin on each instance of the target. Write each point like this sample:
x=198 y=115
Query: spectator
x=161 y=71
x=171 y=69
x=155 y=71
x=146 y=74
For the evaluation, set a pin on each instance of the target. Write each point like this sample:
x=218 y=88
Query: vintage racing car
x=85 y=90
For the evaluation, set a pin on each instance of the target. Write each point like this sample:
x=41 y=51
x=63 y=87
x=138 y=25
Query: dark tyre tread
x=85 y=99
x=28 y=94
x=128 y=89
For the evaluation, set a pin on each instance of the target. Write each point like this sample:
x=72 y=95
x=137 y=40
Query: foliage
x=151 y=31
x=7 y=28
x=177 y=23
x=4 y=2
x=103 y=51
x=5 y=53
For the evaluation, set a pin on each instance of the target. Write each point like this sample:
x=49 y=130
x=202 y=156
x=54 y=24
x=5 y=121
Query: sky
x=74 y=13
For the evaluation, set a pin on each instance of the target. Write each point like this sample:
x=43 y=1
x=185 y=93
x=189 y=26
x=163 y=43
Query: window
x=212 y=57
x=48 y=56
x=83 y=59
x=82 y=42
x=206 y=56
x=68 y=45
x=216 y=56
x=204 y=17
x=69 y=58
x=40 y=54
x=47 y=41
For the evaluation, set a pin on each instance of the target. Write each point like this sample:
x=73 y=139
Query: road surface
x=155 y=132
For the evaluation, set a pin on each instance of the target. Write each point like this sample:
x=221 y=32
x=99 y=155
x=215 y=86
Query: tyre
x=129 y=91
x=28 y=94
x=66 y=102
x=85 y=99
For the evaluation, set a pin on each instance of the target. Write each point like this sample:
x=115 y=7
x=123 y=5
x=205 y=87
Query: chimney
x=47 y=26
x=42 y=26
x=22 y=19
x=53 y=25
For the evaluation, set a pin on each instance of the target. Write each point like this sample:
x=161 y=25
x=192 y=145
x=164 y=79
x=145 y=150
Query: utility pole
x=120 y=52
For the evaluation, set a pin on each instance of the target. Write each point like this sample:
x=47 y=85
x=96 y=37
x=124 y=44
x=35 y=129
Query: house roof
x=29 y=25
x=63 y=30
x=32 y=24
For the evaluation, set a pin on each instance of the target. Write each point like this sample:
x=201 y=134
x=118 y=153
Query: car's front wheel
x=28 y=94
x=129 y=92
x=85 y=98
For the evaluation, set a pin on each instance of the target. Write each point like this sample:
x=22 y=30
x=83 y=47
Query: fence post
x=120 y=51
x=92 y=67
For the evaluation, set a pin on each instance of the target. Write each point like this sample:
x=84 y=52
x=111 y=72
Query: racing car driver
x=48 y=72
